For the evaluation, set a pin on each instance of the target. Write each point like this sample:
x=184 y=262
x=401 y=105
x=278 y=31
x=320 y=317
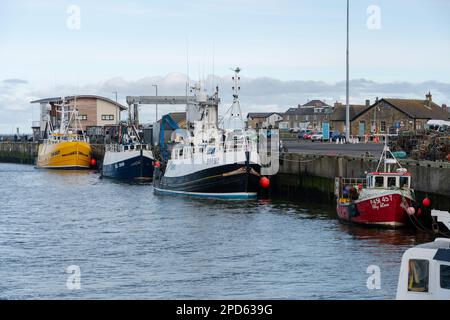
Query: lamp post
x=347 y=108
x=117 y=109
x=156 y=87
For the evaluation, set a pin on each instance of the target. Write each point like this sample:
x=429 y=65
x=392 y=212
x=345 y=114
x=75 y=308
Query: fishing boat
x=425 y=272
x=384 y=198
x=130 y=158
x=209 y=162
x=66 y=147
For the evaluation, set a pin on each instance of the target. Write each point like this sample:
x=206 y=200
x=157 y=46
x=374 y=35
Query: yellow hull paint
x=64 y=155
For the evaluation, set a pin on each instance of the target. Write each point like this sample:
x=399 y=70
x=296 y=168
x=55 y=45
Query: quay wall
x=26 y=152
x=312 y=176
x=18 y=152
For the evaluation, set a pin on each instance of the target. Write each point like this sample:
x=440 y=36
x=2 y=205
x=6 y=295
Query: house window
x=418 y=275
x=83 y=117
x=383 y=126
x=107 y=117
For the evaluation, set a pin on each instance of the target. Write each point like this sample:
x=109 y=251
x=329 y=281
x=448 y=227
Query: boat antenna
x=213 y=65
x=187 y=70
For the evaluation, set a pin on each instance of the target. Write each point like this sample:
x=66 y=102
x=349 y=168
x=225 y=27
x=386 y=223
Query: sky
x=290 y=51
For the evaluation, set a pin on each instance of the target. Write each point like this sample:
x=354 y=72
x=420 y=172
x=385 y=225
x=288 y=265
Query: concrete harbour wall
x=18 y=152
x=306 y=176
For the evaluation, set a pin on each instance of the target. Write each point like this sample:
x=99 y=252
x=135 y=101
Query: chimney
x=429 y=98
x=444 y=106
x=367 y=103
x=337 y=104
x=376 y=99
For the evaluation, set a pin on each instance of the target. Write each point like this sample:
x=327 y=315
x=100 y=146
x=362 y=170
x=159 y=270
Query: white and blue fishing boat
x=128 y=159
x=209 y=162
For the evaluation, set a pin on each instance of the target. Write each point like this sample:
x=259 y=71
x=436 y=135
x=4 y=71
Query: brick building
x=94 y=111
x=258 y=120
x=338 y=117
x=312 y=114
x=388 y=115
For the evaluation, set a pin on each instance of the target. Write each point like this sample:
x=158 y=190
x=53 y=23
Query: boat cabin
x=347 y=189
x=425 y=272
x=389 y=180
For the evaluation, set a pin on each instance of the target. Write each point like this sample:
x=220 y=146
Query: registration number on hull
x=381 y=202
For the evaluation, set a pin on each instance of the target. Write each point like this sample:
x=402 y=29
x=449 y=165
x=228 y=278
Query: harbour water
x=130 y=243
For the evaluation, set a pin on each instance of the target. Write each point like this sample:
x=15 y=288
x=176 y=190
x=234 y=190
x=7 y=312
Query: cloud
x=14 y=82
x=257 y=94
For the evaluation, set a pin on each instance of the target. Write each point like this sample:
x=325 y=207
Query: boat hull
x=64 y=155
x=127 y=166
x=231 y=181
x=384 y=210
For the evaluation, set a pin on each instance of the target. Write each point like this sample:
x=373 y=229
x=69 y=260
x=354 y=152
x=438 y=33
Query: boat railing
x=187 y=151
x=348 y=188
x=114 y=147
x=62 y=138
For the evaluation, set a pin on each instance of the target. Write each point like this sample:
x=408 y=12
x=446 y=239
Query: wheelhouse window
x=379 y=182
x=391 y=182
x=418 y=275
x=383 y=126
x=404 y=182
x=445 y=276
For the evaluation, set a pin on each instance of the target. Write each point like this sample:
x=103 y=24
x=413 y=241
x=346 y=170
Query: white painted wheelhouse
x=187 y=158
x=425 y=272
x=389 y=180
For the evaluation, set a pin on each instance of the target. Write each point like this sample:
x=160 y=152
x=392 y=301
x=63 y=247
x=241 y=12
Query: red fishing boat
x=383 y=198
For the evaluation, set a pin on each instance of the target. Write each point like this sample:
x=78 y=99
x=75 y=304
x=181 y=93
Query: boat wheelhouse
x=425 y=272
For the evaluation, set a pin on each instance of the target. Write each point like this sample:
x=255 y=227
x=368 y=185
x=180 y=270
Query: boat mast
x=384 y=156
x=236 y=106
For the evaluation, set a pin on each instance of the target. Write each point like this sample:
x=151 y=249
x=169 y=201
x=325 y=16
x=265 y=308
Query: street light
x=347 y=108
x=156 y=87
x=117 y=109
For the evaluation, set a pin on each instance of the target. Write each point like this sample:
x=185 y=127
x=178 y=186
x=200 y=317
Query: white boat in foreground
x=425 y=272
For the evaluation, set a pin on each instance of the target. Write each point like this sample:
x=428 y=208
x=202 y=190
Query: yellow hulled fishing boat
x=67 y=147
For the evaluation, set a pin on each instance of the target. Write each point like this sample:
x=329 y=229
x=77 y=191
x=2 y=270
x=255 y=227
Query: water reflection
x=403 y=237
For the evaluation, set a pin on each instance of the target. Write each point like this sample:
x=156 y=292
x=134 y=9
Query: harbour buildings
x=95 y=112
x=312 y=114
x=387 y=115
x=258 y=120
